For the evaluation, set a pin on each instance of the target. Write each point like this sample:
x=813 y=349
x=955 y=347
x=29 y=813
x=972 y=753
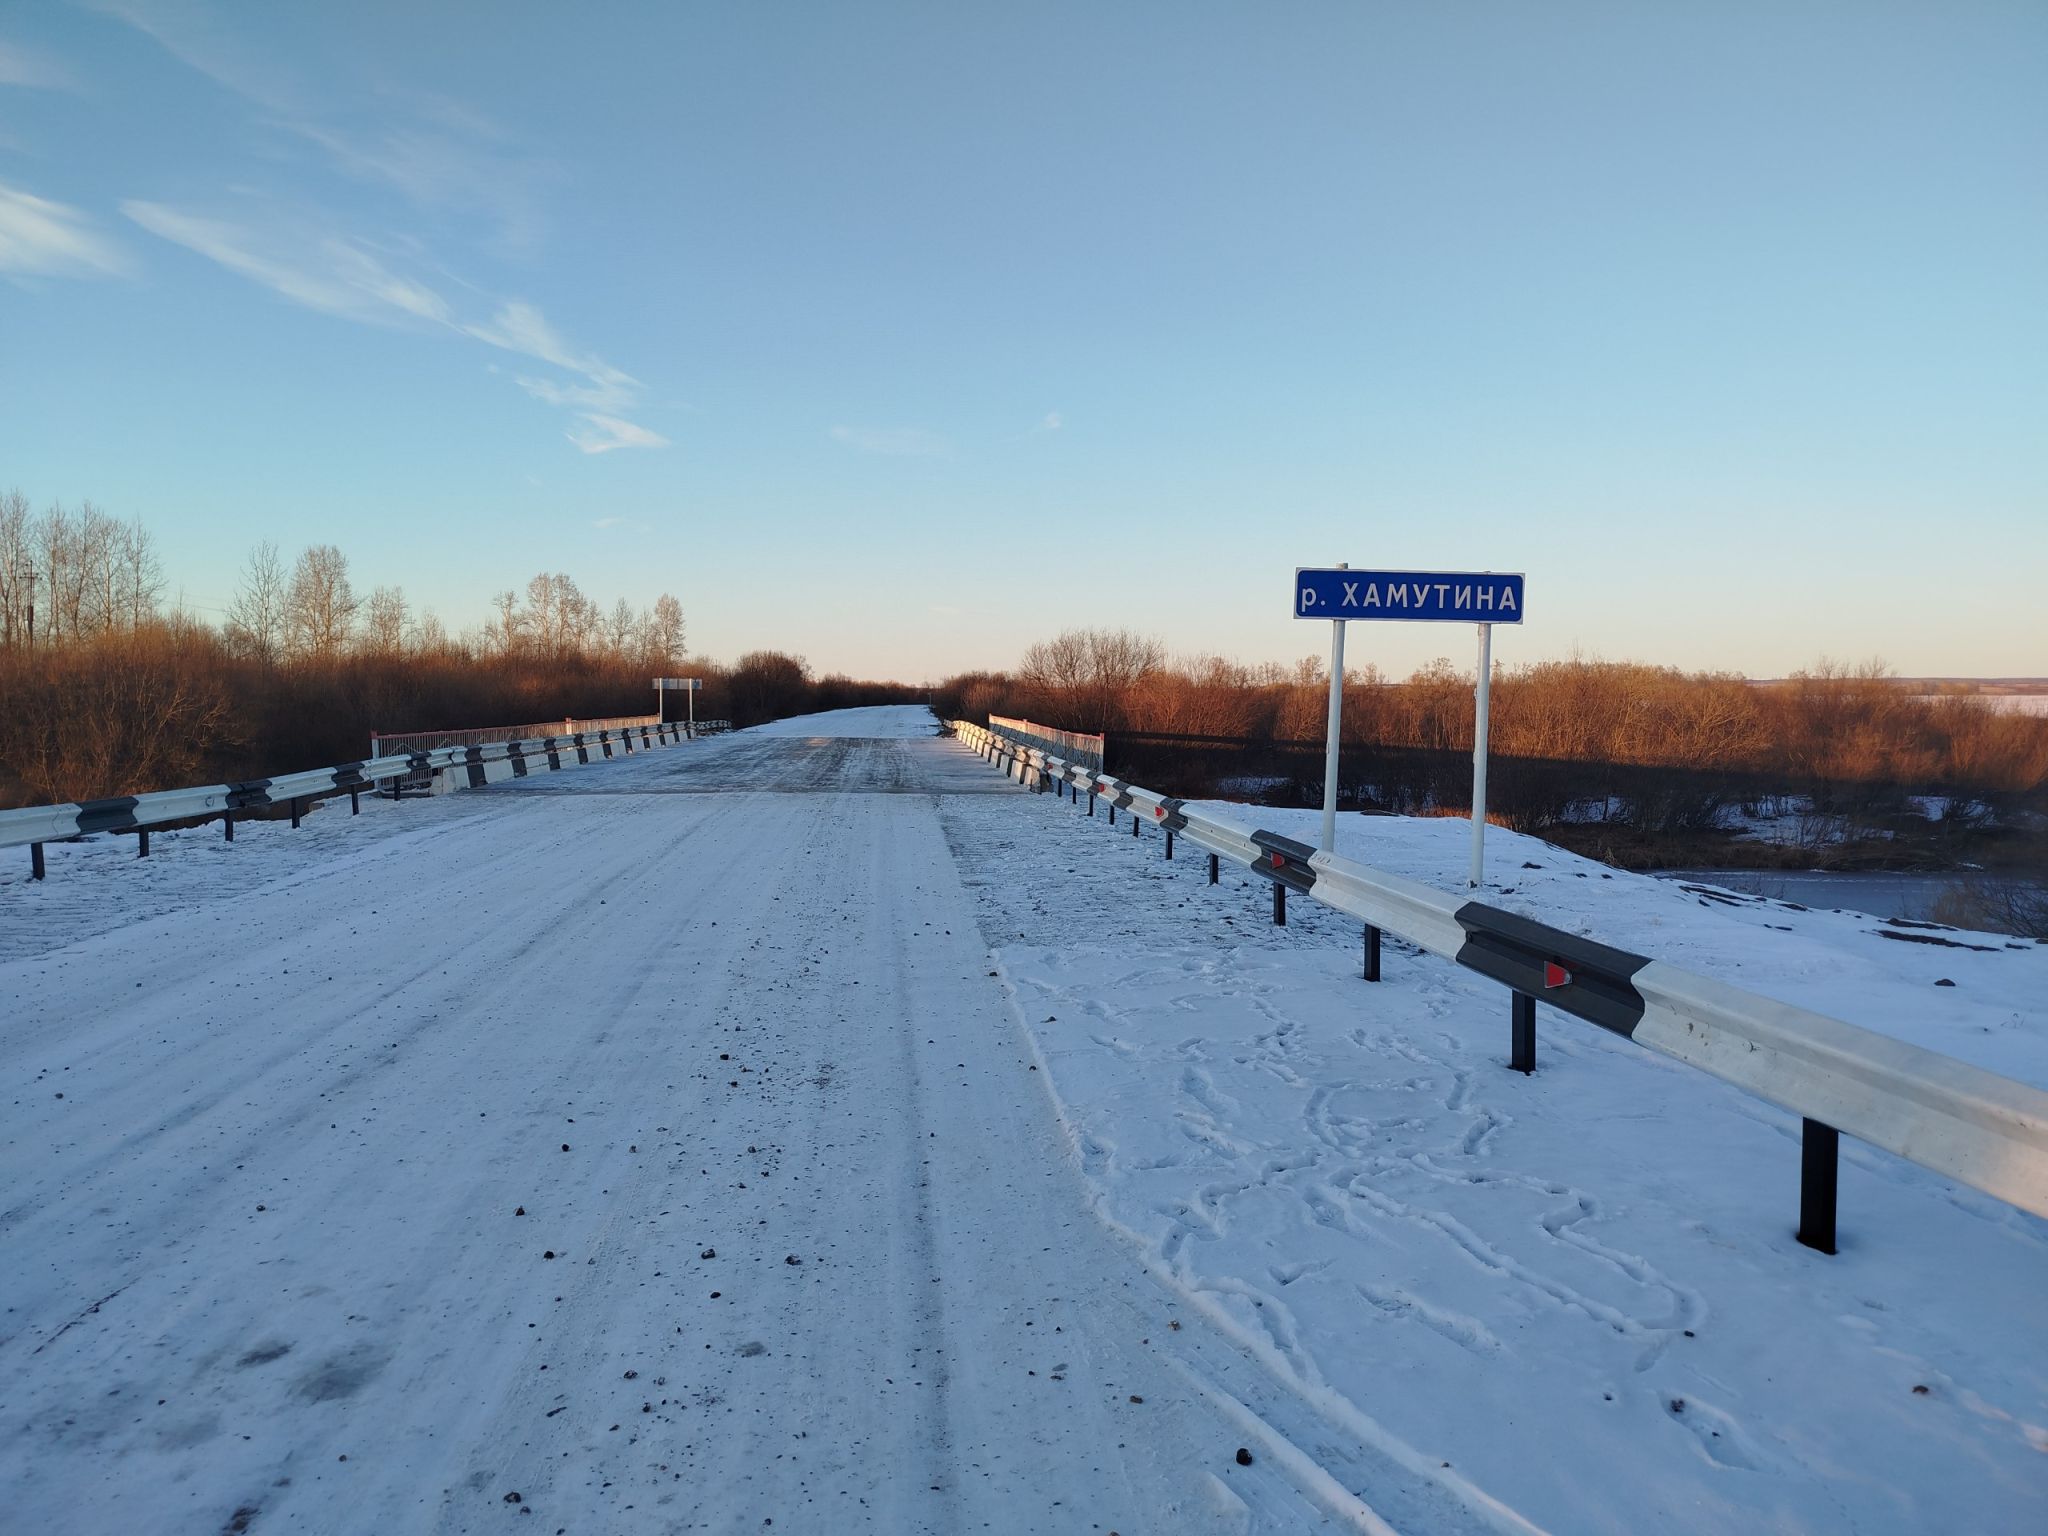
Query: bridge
x=812 y=1126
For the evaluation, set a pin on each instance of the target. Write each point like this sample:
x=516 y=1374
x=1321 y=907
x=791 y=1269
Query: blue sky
x=903 y=335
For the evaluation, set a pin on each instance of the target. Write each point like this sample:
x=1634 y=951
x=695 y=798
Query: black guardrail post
x=1820 y=1149
x=1522 y=1030
x=228 y=822
x=1112 y=813
x=1169 y=842
x=1372 y=952
x=355 y=802
x=1215 y=869
x=1135 y=823
x=1279 y=905
x=298 y=810
x=1091 y=799
x=36 y=870
x=142 y=842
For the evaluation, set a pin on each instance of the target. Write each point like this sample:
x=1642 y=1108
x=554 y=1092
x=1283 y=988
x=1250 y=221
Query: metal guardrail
x=1069 y=746
x=1970 y=1125
x=382 y=745
x=476 y=765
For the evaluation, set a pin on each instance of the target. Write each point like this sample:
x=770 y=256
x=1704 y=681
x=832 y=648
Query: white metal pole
x=1482 y=694
x=1334 y=732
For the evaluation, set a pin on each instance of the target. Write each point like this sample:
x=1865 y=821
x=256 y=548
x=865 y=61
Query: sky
x=903 y=335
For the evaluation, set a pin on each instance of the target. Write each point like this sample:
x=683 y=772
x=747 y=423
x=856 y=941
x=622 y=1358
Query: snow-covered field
x=1090 y=1176
x=1576 y=1294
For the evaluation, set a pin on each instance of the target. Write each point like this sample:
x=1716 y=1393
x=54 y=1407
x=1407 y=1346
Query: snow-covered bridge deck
x=673 y=1161
x=1092 y=1176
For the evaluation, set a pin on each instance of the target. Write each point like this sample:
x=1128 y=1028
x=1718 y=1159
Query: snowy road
x=1090 y=1176
x=655 y=1143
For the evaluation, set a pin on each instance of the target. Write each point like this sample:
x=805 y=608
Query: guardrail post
x=1091 y=800
x=1215 y=869
x=142 y=842
x=1135 y=823
x=1522 y=1045
x=1112 y=813
x=1819 y=1163
x=1372 y=953
x=1279 y=905
x=1169 y=842
x=228 y=821
x=35 y=861
x=355 y=802
x=297 y=811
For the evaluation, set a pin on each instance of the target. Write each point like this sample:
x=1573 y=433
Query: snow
x=1051 y=1126
x=1578 y=1289
x=887 y=722
x=267 y=1153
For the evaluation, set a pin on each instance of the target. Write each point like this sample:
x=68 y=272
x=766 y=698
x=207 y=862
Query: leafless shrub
x=1992 y=905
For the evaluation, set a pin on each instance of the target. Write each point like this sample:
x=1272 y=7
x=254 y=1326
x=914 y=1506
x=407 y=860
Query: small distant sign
x=681 y=684
x=1462 y=597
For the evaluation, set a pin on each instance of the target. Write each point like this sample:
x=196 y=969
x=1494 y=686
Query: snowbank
x=1578 y=1293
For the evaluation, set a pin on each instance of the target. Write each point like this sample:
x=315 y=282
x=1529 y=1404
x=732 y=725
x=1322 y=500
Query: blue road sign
x=1463 y=597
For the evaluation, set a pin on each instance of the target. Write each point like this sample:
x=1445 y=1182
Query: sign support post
x=688 y=686
x=1482 y=699
x=1334 y=732
x=1479 y=598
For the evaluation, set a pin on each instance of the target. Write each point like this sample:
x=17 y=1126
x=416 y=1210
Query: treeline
x=103 y=691
x=1849 y=738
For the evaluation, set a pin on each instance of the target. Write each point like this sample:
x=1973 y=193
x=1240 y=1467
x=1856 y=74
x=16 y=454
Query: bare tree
x=544 y=614
x=320 y=608
x=98 y=566
x=56 y=541
x=426 y=635
x=1061 y=662
x=384 y=621
x=619 y=627
x=1119 y=657
x=579 y=619
x=255 y=624
x=667 y=630
x=17 y=569
x=503 y=633
x=140 y=580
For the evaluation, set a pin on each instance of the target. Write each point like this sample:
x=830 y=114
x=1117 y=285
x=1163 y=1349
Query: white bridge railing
x=1973 y=1126
x=1069 y=746
x=383 y=745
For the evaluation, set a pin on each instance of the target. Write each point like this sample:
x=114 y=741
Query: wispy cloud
x=325 y=273
x=521 y=328
x=621 y=522
x=601 y=434
x=219 y=50
x=893 y=442
x=342 y=277
x=45 y=239
x=438 y=171
x=1050 y=423
x=438 y=154
x=24 y=66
